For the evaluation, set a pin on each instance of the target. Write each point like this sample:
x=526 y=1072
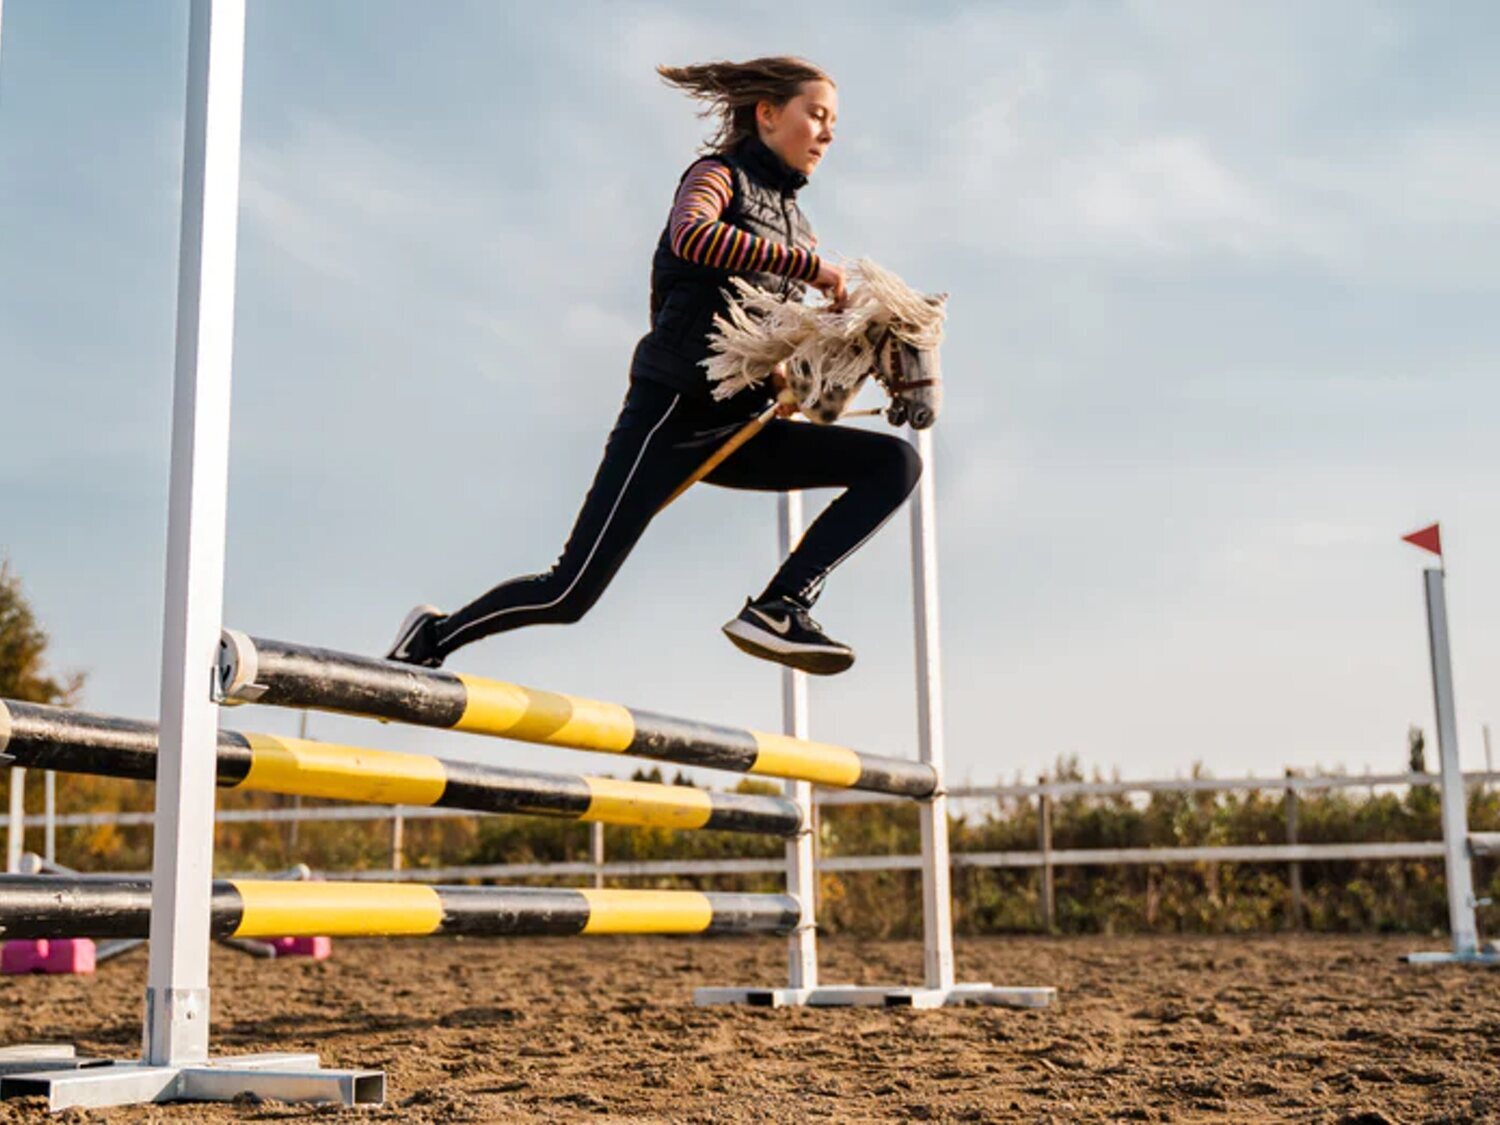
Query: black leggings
x=659 y=439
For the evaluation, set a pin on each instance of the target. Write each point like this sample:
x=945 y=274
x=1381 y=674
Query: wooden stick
x=720 y=455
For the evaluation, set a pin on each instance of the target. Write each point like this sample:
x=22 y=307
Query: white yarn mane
x=822 y=349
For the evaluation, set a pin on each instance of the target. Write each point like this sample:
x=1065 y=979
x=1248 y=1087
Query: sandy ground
x=1145 y=1029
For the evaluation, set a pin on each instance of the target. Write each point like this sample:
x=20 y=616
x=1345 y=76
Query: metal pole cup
x=15 y=829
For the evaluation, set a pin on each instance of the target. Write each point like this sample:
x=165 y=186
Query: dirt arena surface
x=1145 y=1029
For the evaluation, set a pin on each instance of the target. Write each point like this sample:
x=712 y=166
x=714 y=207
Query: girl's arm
x=699 y=236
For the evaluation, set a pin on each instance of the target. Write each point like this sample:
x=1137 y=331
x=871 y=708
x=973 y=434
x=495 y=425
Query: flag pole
x=1458 y=871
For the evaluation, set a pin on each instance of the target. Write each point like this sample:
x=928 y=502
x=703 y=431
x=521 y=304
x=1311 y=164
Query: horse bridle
x=897 y=385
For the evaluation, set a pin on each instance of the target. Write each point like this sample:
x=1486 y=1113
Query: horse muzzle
x=916 y=387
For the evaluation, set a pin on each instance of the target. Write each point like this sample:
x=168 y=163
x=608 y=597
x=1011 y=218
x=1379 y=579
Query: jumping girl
x=735 y=215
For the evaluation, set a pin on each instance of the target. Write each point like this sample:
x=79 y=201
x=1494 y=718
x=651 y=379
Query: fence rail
x=1061 y=790
x=1080 y=857
x=1057 y=790
x=1044 y=857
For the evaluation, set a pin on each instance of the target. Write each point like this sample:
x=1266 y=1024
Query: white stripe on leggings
x=817 y=583
x=592 y=550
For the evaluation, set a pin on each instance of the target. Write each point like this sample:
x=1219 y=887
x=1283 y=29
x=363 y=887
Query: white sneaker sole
x=817 y=660
x=408 y=629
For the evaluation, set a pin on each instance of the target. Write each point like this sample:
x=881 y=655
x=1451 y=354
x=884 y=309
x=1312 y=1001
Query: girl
x=735 y=214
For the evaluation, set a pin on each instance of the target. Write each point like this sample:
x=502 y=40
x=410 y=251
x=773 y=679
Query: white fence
x=1045 y=857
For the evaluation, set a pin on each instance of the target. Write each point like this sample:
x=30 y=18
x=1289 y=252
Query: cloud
x=350 y=209
x=1166 y=195
x=1167 y=137
x=1222 y=328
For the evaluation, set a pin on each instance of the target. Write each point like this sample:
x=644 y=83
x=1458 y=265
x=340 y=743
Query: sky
x=1222 y=329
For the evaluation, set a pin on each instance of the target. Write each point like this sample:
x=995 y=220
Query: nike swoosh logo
x=780 y=628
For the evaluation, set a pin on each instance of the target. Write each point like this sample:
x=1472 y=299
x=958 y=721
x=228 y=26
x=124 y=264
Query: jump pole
x=54 y=906
x=1458 y=845
x=283 y=674
x=55 y=738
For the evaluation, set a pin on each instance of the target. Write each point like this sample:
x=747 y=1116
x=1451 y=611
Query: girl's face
x=801 y=130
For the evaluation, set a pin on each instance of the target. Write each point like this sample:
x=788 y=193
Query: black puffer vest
x=686 y=296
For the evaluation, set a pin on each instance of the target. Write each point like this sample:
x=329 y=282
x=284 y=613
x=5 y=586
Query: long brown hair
x=730 y=91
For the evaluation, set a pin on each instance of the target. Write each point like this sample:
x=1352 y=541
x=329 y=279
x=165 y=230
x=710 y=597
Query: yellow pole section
x=613 y=911
x=281 y=909
x=513 y=711
x=780 y=755
x=646 y=804
x=342 y=773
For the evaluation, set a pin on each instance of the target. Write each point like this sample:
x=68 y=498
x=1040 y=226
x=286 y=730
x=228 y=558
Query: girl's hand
x=832 y=283
x=786 y=401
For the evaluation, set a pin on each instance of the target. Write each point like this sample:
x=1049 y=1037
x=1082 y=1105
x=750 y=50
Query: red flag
x=1429 y=539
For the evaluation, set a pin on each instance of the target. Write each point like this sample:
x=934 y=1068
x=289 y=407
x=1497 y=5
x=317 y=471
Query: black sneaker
x=781 y=630
x=414 y=640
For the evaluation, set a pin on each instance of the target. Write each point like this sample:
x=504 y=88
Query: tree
x=23 y=646
x=1416 y=750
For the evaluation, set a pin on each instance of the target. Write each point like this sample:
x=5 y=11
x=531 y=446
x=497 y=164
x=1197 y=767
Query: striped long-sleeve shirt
x=699 y=236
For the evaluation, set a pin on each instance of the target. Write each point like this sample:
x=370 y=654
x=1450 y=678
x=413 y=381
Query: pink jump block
x=318 y=948
x=48 y=955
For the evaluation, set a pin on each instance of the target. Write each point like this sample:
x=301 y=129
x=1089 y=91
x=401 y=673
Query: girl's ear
x=765 y=114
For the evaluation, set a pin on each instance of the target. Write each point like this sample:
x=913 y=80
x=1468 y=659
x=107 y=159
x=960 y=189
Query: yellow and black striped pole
x=47 y=906
x=253 y=670
x=36 y=736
